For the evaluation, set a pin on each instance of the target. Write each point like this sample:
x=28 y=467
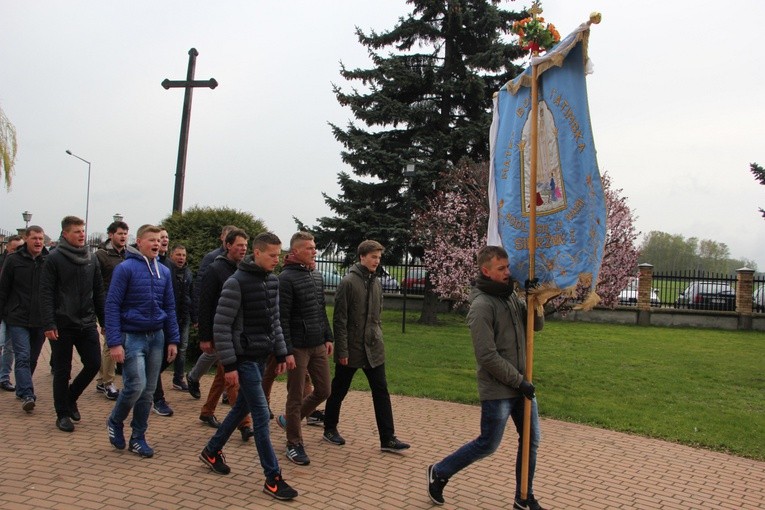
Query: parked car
x=707 y=296
x=629 y=296
x=389 y=284
x=758 y=299
x=331 y=278
x=414 y=281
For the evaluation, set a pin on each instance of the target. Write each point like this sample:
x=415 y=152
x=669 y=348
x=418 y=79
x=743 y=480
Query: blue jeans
x=143 y=357
x=179 y=365
x=494 y=415
x=250 y=399
x=27 y=344
x=6 y=361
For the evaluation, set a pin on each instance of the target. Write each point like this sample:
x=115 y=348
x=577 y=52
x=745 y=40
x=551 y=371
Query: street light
x=27 y=218
x=408 y=173
x=87 y=199
x=117 y=217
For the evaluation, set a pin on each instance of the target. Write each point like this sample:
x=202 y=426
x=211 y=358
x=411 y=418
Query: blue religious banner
x=568 y=196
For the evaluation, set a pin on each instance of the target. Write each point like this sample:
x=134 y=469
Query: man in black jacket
x=308 y=337
x=12 y=244
x=20 y=310
x=72 y=304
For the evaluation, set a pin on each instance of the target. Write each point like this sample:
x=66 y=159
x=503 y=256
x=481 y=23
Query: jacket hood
x=250 y=266
x=132 y=253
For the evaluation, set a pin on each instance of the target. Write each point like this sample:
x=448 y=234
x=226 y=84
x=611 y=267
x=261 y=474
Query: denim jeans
x=143 y=357
x=250 y=399
x=179 y=365
x=494 y=415
x=6 y=361
x=203 y=365
x=27 y=344
x=88 y=346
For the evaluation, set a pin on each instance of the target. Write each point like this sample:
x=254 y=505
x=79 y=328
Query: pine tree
x=759 y=175
x=426 y=100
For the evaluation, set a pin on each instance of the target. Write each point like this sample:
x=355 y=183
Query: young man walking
x=185 y=310
x=20 y=310
x=247 y=330
x=497 y=321
x=6 y=346
x=72 y=306
x=140 y=321
x=359 y=345
x=308 y=337
x=109 y=256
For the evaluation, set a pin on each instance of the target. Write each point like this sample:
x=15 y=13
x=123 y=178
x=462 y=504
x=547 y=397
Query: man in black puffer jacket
x=246 y=330
x=308 y=337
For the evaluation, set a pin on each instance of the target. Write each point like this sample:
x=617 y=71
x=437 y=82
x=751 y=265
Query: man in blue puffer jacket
x=140 y=318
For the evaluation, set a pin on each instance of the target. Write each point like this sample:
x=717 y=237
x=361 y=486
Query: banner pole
x=530 y=299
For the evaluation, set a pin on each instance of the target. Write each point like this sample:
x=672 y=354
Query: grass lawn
x=694 y=386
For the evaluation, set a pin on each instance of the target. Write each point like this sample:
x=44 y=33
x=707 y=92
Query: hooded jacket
x=301 y=306
x=19 y=288
x=247 y=326
x=356 y=322
x=108 y=259
x=140 y=300
x=497 y=322
x=71 y=289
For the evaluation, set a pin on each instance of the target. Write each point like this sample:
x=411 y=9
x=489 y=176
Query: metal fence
x=395 y=278
x=677 y=289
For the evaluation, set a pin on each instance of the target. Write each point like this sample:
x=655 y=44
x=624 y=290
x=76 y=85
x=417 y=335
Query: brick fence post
x=744 y=289
x=645 y=282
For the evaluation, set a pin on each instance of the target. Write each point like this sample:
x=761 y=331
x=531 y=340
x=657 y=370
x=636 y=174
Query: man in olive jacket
x=497 y=321
x=359 y=344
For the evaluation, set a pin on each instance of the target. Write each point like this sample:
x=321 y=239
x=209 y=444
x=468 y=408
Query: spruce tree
x=427 y=100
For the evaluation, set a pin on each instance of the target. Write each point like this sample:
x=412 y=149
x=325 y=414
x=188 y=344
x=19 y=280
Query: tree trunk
x=429 y=305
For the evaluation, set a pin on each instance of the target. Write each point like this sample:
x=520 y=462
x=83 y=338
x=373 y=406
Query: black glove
x=527 y=389
x=530 y=284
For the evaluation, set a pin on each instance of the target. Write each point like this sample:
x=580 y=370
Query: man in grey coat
x=359 y=345
x=497 y=321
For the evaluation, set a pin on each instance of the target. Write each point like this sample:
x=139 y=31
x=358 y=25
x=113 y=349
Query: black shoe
x=210 y=420
x=7 y=386
x=224 y=398
x=276 y=486
x=527 y=504
x=215 y=461
x=334 y=437
x=316 y=419
x=64 y=423
x=393 y=445
x=74 y=413
x=247 y=433
x=118 y=369
x=193 y=387
x=436 y=487
x=296 y=453
x=29 y=404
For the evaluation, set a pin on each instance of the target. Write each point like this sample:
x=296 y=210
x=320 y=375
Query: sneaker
x=74 y=412
x=64 y=424
x=281 y=420
x=116 y=436
x=111 y=392
x=296 y=453
x=316 y=418
x=334 y=437
x=100 y=388
x=393 y=445
x=180 y=385
x=215 y=461
x=224 y=398
x=210 y=420
x=527 y=504
x=193 y=387
x=28 y=404
x=161 y=408
x=139 y=446
x=436 y=487
x=247 y=433
x=276 y=486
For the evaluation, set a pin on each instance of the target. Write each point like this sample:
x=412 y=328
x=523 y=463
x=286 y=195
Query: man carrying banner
x=497 y=321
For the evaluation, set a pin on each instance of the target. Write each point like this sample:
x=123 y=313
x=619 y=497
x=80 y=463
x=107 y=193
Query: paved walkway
x=578 y=467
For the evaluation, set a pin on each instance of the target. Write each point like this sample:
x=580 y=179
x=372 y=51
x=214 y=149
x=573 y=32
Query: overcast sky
x=676 y=106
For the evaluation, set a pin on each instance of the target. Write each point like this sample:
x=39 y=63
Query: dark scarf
x=493 y=288
x=80 y=256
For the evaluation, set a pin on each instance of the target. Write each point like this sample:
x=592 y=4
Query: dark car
x=707 y=296
x=414 y=281
x=758 y=299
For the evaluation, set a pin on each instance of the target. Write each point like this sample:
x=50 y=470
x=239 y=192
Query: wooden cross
x=189 y=84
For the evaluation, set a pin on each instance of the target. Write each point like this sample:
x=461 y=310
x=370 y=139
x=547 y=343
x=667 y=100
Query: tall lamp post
x=27 y=218
x=87 y=198
x=408 y=173
x=117 y=217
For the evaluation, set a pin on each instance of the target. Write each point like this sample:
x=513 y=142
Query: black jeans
x=380 y=398
x=88 y=346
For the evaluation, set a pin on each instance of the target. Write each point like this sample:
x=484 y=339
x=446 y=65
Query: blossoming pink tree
x=452 y=227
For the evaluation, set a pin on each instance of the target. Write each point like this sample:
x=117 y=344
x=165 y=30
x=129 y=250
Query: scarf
x=79 y=256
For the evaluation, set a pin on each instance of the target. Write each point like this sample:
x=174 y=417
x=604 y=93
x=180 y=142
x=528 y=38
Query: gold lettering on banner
x=570 y=116
x=575 y=210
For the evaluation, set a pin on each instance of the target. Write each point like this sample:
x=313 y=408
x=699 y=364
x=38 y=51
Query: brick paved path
x=578 y=467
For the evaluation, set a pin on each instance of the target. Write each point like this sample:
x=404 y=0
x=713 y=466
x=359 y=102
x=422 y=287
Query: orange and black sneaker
x=215 y=461
x=276 y=486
